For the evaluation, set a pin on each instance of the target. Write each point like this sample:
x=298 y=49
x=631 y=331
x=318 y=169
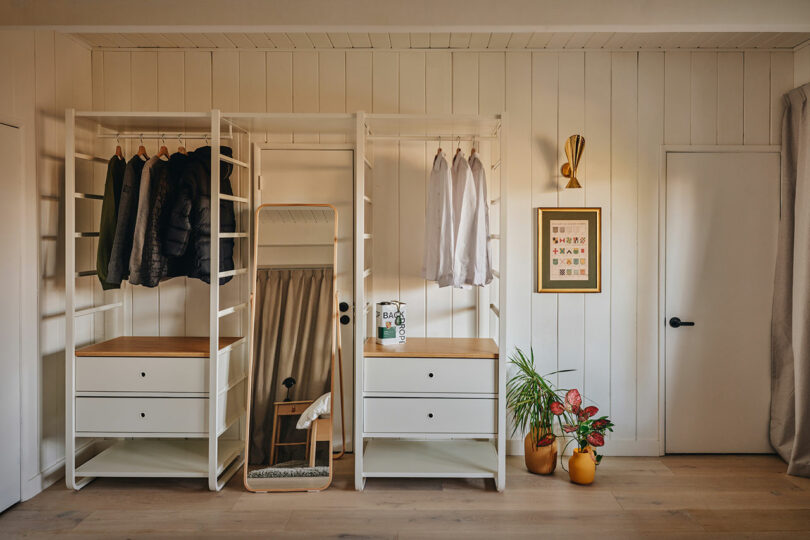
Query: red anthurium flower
x=590 y=411
x=573 y=400
x=546 y=439
x=556 y=408
x=596 y=439
x=569 y=428
x=599 y=424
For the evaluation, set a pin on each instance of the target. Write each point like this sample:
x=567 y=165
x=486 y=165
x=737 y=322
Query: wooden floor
x=676 y=496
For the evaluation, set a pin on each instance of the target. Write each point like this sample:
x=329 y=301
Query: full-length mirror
x=294 y=349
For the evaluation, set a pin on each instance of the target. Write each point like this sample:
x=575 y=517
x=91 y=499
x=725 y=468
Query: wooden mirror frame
x=335 y=354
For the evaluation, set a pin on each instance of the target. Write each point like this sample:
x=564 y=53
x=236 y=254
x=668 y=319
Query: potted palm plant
x=530 y=396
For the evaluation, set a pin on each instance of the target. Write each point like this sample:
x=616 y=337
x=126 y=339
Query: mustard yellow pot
x=581 y=467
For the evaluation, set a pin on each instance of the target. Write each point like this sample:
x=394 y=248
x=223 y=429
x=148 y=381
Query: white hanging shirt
x=479 y=272
x=464 y=205
x=439 y=228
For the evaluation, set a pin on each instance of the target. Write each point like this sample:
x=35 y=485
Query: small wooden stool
x=286 y=408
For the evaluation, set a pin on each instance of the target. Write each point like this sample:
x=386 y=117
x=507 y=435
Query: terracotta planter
x=581 y=467
x=540 y=459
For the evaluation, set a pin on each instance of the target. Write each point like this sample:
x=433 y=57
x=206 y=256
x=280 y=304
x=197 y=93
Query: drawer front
x=141 y=415
x=452 y=375
x=141 y=374
x=430 y=415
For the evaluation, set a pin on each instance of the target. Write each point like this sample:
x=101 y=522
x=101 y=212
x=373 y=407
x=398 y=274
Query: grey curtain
x=790 y=332
x=293 y=338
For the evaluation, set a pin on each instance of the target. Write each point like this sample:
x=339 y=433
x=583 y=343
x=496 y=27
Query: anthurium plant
x=581 y=424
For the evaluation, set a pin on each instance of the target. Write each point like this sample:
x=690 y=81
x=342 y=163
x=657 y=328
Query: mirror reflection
x=293 y=349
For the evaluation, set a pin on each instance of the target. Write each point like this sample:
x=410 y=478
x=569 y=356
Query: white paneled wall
x=626 y=104
x=43 y=74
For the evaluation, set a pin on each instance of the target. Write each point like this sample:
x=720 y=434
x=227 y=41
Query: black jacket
x=188 y=230
x=118 y=268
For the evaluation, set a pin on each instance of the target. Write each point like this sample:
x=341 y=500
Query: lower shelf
x=159 y=458
x=430 y=459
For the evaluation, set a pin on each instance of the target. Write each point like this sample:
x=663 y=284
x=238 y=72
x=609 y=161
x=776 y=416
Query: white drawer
x=430 y=415
x=141 y=415
x=451 y=375
x=141 y=374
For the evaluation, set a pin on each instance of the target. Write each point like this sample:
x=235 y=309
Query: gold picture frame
x=564 y=235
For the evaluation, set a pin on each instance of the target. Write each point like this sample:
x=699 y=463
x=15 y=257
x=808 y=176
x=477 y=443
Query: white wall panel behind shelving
x=626 y=104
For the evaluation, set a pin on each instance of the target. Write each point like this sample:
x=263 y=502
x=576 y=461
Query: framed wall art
x=569 y=250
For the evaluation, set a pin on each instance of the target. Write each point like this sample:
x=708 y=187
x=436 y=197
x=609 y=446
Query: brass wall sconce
x=574 y=147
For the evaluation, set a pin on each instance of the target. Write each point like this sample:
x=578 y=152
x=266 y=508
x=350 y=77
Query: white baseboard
x=51 y=474
x=613 y=447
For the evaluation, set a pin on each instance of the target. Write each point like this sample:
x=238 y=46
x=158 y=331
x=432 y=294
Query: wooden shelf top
x=434 y=348
x=192 y=347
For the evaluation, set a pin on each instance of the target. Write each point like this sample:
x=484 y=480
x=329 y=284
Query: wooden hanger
x=439 y=151
x=142 y=149
x=163 y=150
x=181 y=148
x=118 y=152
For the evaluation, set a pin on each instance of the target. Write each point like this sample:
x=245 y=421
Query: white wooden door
x=722 y=215
x=322 y=176
x=11 y=215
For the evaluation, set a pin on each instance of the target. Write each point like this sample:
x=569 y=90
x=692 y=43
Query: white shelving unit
x=215 y=450
x=404 y=450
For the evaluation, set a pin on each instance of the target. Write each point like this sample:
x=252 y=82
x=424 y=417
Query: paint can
x=391 y=322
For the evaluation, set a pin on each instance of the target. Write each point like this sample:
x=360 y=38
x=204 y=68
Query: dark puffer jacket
x=188 y=230
x=165 y=179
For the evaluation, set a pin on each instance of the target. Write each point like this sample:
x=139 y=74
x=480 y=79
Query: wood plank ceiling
x=526 y=40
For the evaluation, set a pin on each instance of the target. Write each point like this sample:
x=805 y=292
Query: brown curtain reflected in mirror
x=293 y=338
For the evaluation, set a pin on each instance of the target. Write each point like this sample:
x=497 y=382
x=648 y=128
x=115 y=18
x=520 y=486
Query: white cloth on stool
x=319 y=407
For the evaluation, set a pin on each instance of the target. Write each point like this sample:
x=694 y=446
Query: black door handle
x=675 y=322
x=344 y=319
x=343 y=307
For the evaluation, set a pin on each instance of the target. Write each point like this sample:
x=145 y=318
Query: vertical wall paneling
x=729 y=98
x=465 y=101
x=305 y=89
x=596 y=367
x=650 y=138
x=198 y=88
x=544 y=187
x=756 y=97
x=438 y=100
x=677 y=97
x=385 y=210
x=518 y=102
x=279 y=88
x=626 y=104
x=412 y=193
x=781 y=83
x=332 y=87
x=624 y=207
x=704 y=98
x=171 y=97
x=571 y=120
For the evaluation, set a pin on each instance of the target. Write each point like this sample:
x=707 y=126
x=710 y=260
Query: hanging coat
x=153 y=171
x=479 y=271
x=109 y=217
x=439 y=228
x=188 y=230
x=118 y=269
x=464 y=204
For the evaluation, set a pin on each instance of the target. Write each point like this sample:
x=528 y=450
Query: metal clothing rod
x=169 y=136
x=449 y=139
